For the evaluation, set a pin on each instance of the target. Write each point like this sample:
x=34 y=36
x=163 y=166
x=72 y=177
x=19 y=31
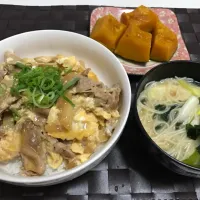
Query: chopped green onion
x=41 y=98
x=37 y=104
x=68 y=100
x=41 y=85
x=70 y=84
x=51 y=95
x=47 y=83
x=20 y=65
x=22 y=90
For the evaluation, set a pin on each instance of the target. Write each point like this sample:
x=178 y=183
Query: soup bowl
x=99 y=59
x=167 y=70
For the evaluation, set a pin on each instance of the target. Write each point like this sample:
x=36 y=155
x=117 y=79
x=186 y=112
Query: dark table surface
x=128 y=172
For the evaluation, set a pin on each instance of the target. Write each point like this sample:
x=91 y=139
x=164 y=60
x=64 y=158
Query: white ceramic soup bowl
x=99 y=59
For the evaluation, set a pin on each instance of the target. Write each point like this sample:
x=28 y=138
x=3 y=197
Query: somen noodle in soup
x=169 y=111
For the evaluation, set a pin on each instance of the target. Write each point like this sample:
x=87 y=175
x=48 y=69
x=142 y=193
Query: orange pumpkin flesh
x=107 y=31
x=135 y=44
x=142 y=16
x=164 y=43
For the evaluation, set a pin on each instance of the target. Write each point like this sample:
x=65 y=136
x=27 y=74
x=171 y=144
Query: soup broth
x=169 y=110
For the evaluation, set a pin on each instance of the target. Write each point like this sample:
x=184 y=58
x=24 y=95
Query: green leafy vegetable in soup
x=193 y=160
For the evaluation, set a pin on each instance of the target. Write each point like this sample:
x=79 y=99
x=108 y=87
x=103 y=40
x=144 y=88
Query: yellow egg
x=78 y=67
x=93 y=76
x=71 y=135
x=84 y=122
x=66 y=61
x=60 y=59
x=102 y=113
x=70 y=62
x=103 y=137
x=82 y=116
x=115 y=113
x=90 y=148
x=10 y=146
x=29 y=61
x=85 y=102
x=83 y=157
x=77 y=148
x=53 y=115
x=83 y=125
x=59 y=135
x=54 y=160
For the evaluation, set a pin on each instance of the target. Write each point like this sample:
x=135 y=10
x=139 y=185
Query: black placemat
x=128 y=173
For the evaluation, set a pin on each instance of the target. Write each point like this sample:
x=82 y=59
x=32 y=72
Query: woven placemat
x=128 y=173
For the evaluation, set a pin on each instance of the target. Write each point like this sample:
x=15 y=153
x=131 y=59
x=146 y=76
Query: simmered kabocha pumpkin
x=164 y=43
x=144 y=17
x=139 y=37
x=107 y=31
x=135 y=44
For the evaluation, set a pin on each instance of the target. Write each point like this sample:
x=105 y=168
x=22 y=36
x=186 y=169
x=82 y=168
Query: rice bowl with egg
x=45 y=42
x=55 y=113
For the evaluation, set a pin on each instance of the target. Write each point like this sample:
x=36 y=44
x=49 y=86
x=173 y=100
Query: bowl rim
x=138 y=118
x=86 y=166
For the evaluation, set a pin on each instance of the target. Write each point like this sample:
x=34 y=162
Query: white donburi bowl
x=99 y=59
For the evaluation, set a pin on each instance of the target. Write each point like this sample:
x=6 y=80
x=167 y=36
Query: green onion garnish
x=42 y=85
x=70 y=84
x=20 y=65
x=68 y=100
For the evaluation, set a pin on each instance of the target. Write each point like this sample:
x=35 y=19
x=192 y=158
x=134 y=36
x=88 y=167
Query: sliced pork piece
x=7 y=81
x=86 y=72
x=19 y=103
x=6 y=100
x=108 y=97
x=104 y=96
x=32 y=151
x=42 y=111
x=44 y=59
x=7 y=124
x=3 y=71
x=11 y=58
x=37 y=119
x=86 y=85
x=64 y=150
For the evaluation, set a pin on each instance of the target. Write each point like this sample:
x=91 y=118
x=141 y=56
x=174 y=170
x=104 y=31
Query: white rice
x=14 y=168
